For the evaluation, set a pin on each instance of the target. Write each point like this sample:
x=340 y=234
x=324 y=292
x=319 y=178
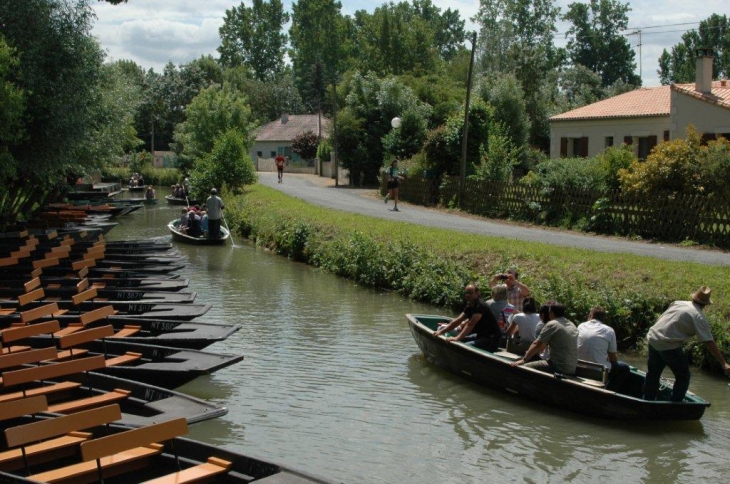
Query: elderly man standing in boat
x=679 y=323
x=215 y=214
x=478 y=319
x=561 y=336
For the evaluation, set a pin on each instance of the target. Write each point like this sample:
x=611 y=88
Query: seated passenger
x=597 y=343
x=500 y=307
x=522 y=329
x=561 y=337
x=150 y=195
x=184 y=221
x=194 y=224
x=478 y=319
x=204 y=221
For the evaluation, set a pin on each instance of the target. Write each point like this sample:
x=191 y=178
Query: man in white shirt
x=597 y=343
x=215 y=214
x=679 y=323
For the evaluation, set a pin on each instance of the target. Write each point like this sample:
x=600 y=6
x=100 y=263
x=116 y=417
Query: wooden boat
x=575 y=393
x=177 y=235
x=70 y=386
x=54 y=449
x=162 y=366
x=137 y=188
x=186 y=202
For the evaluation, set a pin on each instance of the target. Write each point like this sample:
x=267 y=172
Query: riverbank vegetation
x=433 y=265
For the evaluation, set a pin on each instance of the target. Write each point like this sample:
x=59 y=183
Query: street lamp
x=396 y=122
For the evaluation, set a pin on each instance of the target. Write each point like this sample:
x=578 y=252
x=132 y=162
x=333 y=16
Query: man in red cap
x=679 y=323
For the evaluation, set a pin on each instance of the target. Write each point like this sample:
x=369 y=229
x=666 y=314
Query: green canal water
x=333 y=383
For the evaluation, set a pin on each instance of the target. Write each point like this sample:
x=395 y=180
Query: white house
x=275 y=138
x=642 y=117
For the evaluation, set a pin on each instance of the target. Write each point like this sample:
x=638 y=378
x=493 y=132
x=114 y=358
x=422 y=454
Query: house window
x=609 y=141
x=260 y=154
x=273 y=154
x=575 y=147
x=287 y=151
x=645 y=145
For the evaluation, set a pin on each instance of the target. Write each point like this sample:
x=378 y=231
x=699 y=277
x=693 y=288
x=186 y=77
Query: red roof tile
x=293 y=127
x=720 y=94
x=643 y=102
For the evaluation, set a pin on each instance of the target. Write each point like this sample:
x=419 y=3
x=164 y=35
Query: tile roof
x=293 y=127
x=720 y=94
x=643 y=102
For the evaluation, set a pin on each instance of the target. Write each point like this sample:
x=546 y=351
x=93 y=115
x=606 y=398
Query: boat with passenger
x=584 y=392
x=174 y=228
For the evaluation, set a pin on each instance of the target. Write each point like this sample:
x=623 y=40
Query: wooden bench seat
x=23 y=406
x=19 y=358
x=50 y=390
x=37 y=313
x=46 y=372
x=84 y=336
x=115 y=396
x=129 y=330
x=116 y=454
x=49 y=450
x=199 y=473
x=70 y=354
x=125 y=359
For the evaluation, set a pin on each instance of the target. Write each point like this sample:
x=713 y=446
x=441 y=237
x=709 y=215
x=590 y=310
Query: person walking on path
x=280 y=160
x=394 y=179
x=215 y=214
x=679 y=323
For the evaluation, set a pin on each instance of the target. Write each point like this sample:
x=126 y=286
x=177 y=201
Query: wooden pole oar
x=230 y=234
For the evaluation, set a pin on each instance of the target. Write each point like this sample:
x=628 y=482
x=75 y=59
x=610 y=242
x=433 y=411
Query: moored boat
x=177 y=235
x=180 y=201
x=580 y=393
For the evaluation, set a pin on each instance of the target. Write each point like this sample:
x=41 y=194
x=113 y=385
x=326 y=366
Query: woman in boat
x=150 y=195
x=522 y=329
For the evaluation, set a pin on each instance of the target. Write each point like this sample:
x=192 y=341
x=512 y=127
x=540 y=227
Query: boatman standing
x=215 y=214
x=678 y=324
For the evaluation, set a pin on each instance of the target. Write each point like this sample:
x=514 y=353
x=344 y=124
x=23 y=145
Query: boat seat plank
x=45 y=372
x=82 y=285
x=43 y=263
x=31 y=296
x=127 y=331
x=71 y=353
x=23 y=332
x=41 y=452
x=8 y=261
x=84 y=336
x=116 y=464
x=201 y=472
x=44 y=390
x=115 y=396
x=37 y=313
x=125 y=359
x=83 y=264
x=54 y=427
x=13 y=349
x=24 y=357
x=34 y=283
x=97 y=314
x=70 y=329
x=508 y=355
x=83 y=296
x=7 y=312
x=114 y=444
x=23 y=406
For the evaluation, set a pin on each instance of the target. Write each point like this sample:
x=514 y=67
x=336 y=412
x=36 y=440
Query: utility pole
x=334 y=120
x=637 y=32
x=465 y=135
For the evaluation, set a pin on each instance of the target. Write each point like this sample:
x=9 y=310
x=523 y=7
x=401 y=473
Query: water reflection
x=333 y=383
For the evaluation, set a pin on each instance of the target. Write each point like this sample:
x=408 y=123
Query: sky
x=153 y=32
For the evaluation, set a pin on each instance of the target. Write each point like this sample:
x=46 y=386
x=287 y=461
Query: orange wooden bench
x=128 y=330
x=116 y=454
x=51 y=439
x=86 y=319
x=53 y=389
x=40 y=312
x=199 y=473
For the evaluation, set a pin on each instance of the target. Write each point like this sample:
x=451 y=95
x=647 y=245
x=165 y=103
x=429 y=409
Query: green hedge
x=433 y=265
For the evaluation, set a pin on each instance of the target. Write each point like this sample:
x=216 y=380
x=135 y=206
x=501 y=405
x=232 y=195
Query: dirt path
x=321 y=191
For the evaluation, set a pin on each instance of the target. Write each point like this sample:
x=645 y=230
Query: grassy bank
x=433 y=265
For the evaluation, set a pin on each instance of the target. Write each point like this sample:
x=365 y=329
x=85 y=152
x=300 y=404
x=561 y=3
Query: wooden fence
x=663 y=217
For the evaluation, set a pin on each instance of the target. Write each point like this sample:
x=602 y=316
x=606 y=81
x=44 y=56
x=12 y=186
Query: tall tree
x=596 y=41
x=679 y=65
x=318 y=37
x=60 y=71
x=12 y=107
x=253 y=37
x=517 y=37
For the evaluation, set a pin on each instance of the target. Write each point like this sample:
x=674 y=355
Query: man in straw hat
x=678 y=324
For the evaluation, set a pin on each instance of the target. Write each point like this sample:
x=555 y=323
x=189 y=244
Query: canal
x=333 y=383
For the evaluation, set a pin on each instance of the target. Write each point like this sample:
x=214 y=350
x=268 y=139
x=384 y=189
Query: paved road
x=320 y=191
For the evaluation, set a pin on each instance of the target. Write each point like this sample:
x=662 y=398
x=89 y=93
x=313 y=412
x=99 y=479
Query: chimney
x=703 y=79
x=284 y=118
